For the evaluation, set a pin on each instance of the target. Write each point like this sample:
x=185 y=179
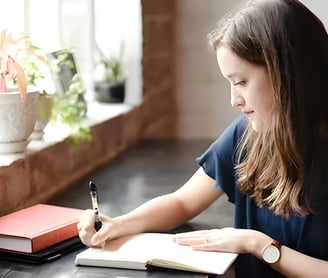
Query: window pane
x=44 y=27
x=12 y=15
x=56 y=24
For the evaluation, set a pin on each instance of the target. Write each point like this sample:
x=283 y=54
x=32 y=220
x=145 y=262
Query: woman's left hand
x=224 y=240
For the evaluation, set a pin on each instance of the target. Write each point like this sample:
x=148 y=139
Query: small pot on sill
x=110 y=92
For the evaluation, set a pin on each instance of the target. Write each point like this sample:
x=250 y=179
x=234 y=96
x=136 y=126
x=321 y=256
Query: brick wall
x=158 y=107
x=40 y=174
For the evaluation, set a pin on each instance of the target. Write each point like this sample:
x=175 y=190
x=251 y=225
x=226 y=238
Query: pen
x=94 y=200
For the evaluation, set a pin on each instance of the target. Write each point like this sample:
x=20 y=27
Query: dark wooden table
x=147 y=170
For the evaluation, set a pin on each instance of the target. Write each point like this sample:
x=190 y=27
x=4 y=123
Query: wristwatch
x=271 y=252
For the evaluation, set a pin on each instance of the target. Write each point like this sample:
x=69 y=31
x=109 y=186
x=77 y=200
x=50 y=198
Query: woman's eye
x=239 y=83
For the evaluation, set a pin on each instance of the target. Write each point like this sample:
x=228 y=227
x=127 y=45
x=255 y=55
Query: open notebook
x=155 y=249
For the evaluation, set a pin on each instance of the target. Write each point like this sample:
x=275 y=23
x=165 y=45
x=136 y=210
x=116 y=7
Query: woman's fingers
x=203 y=237
x=86 y=228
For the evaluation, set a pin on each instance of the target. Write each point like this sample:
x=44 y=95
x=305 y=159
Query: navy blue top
x=308 y=235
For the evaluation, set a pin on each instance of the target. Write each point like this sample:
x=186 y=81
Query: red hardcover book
x=37 y=227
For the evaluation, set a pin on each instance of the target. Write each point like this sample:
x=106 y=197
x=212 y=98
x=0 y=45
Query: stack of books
x=39 y=233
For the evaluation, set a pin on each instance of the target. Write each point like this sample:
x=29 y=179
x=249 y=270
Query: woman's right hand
x=87 y=233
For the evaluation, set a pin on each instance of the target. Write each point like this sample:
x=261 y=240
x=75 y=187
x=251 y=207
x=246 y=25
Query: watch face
x=271 y=254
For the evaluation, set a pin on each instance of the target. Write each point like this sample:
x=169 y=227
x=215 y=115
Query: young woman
x=271 y=162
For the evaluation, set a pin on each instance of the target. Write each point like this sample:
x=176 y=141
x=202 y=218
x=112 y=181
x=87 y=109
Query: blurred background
x=182 y=61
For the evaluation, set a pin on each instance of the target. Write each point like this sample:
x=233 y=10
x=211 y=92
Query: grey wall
x=203 y=95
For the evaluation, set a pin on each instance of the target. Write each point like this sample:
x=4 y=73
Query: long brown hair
x=283 y=167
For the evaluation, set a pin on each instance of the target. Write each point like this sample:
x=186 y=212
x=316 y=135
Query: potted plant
x=61 y=99
x=24 y=108
x=17 y=101
x=111 y=88
x=69 y=107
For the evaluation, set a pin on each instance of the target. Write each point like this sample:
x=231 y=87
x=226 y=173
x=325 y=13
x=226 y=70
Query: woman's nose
x=236 y=99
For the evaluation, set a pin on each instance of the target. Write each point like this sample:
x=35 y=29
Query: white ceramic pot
x=38 y=131
x=17 y=120
x=44 y=107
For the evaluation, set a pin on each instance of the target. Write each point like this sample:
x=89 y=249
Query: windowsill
x=97 y=113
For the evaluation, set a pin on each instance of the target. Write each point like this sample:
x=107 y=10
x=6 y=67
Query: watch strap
x=276 y=243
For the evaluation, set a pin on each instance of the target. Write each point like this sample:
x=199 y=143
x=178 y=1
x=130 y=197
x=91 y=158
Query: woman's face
x=251 y=86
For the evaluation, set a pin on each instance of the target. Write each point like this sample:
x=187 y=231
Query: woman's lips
x=248 y=113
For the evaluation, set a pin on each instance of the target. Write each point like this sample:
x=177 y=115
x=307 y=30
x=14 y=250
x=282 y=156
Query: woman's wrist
x=257 y=242
x=125 y=225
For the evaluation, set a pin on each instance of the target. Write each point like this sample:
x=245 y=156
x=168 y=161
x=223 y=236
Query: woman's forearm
x=171 y=210
x=296 y=264
x=159 y=214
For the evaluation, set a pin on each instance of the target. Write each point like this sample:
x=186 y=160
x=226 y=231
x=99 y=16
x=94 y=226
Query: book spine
x=54 y=236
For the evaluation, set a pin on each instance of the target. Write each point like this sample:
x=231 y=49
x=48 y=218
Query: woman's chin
x=255 y=126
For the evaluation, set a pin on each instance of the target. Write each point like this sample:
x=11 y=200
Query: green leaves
x=79 y=135
x=70 y=110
